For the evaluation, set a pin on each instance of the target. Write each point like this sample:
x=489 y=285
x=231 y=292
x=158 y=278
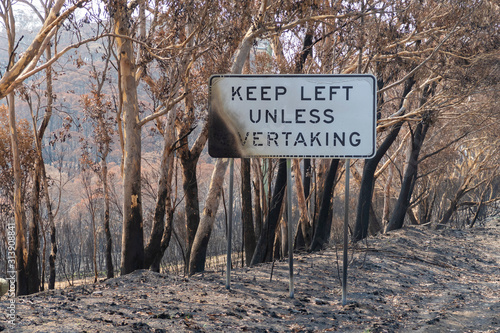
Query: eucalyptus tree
x=418 y=43
x=18 y=70
x=99 y=109
x=203 y=34
x=186 y=24
x=132 y=234
x=447 y=86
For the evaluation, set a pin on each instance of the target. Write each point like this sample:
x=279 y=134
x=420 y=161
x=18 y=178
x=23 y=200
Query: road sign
x=292 y=116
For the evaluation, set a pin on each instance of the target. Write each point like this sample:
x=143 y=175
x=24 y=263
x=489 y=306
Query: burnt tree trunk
x=164 y=212
x=258 y=186
x=164 y=215
x=34 y=232
x=192 y=206
x=264 y=248
x=19 y=216
x=452 y=207
x=324 y=224
x=246 y=211
x=153 y=248
x=165 y=240
x=52 y=255
x=50 y=214
x=132 y=256
x=189 y=159
x=110 y=271
x=199 y=250
x=367 y=183
x=39 y=177
x=368 y=178
x=410 y=176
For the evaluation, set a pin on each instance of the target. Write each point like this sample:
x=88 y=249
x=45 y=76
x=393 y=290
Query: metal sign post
x=346 y=234
x=289 y=222
x=230 y=224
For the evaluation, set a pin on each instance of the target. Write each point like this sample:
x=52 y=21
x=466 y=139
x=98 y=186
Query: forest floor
x=411 y=280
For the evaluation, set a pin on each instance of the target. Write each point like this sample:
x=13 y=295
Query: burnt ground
x=412 y=280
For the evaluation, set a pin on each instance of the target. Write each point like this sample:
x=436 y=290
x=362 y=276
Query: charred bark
x=19 y=216
x=132 y=256
x=264 y=248
x=411 y=172
x=246 y=211
x=162 y=220
x=165 y=240
x=192 y=206
x=34 y=232
x=324 y=224
x=164 y=214
x=410 y=176
x=257 y=185
x=368 y=178
x=110 y=271
x=199 y=250
x=157 y=231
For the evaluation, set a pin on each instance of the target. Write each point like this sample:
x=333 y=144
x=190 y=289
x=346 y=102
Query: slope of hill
x=414 y=279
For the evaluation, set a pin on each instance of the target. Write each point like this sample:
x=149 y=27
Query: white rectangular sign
x=292 y=116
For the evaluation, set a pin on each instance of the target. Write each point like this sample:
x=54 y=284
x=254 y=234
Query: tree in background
x=18 y=70
x=15 y=182
x=425 y=61
x=100 y=110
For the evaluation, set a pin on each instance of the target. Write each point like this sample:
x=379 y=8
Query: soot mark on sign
x=223 y=141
